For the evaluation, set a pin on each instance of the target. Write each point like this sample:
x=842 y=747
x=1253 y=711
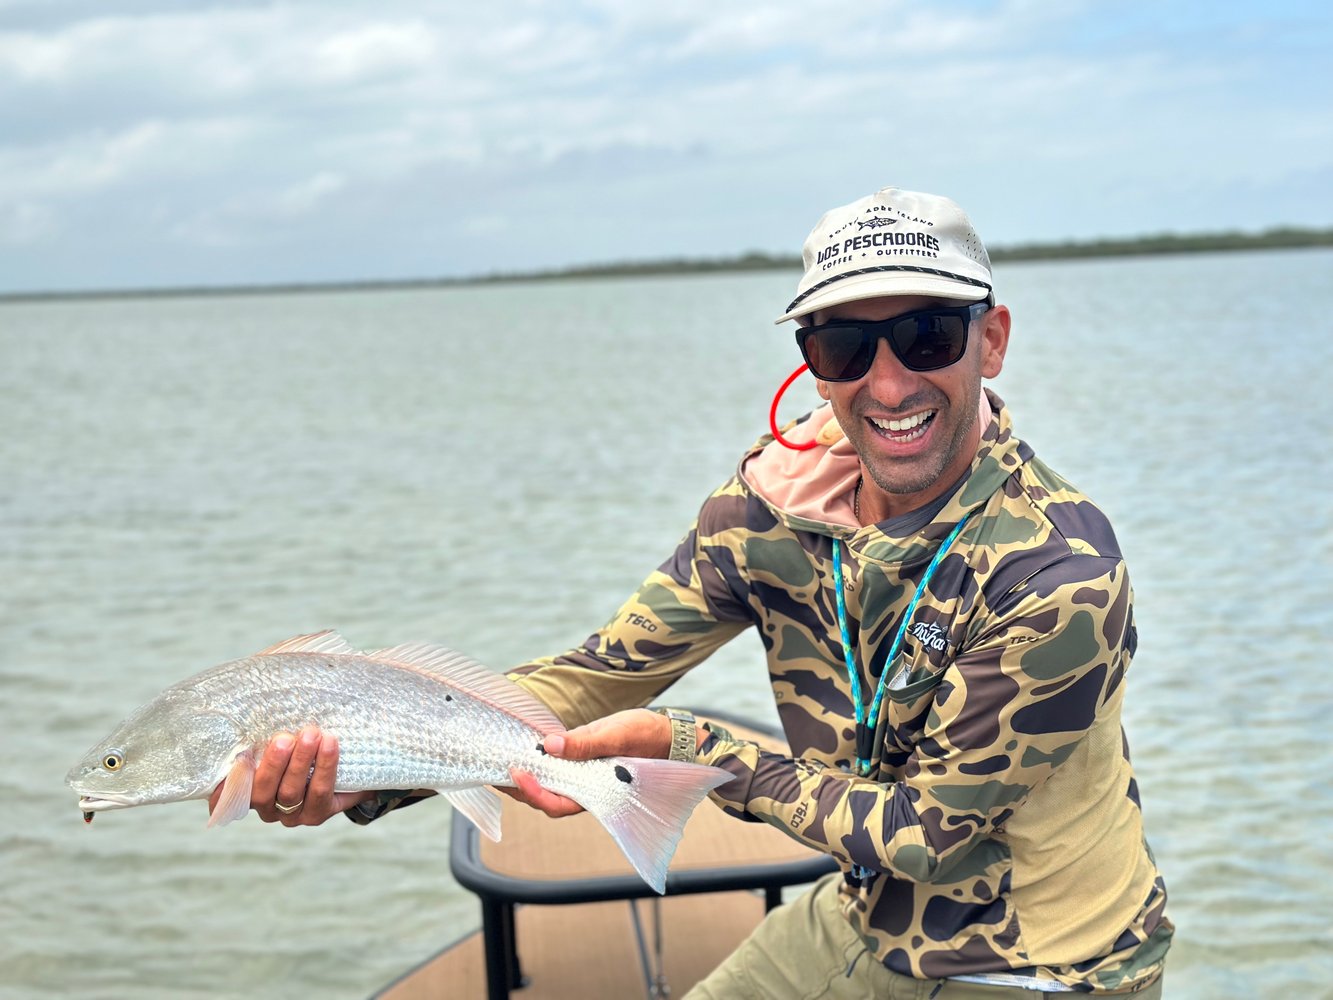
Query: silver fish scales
x=410 y=716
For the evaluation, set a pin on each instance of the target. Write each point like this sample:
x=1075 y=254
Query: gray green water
x=190 y=480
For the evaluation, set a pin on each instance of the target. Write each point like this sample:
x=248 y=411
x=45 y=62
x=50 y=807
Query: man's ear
x=821 y=387
x=994 y=341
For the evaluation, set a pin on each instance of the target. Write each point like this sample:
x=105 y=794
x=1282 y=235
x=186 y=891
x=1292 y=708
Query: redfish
x=410 y=716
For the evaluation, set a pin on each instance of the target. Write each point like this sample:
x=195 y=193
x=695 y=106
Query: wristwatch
x=684 y=742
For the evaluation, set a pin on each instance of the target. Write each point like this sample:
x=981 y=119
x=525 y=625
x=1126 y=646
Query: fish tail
x=648 y=822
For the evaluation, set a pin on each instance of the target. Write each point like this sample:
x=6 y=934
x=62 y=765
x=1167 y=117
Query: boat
x=563 y=914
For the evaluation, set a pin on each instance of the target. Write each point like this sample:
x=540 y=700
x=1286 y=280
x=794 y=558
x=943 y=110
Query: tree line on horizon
x=1283 y=237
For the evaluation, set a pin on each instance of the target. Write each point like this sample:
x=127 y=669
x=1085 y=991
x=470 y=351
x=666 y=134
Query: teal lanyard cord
x=865 y=727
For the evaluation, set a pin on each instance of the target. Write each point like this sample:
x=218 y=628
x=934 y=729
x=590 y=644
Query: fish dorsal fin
x=469 y=676
x=328 y=641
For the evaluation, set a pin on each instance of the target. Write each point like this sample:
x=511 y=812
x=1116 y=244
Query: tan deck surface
x=588 y=950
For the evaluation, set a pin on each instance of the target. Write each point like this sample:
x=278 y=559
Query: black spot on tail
x=541 y=749
x=622 y=772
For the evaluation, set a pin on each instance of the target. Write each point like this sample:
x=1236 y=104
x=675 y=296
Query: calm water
x=187 y=481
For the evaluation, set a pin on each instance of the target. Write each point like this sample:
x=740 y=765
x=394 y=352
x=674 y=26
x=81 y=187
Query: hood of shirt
x=813 y=489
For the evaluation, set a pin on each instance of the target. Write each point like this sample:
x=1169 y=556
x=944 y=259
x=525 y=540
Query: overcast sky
x=146 y=143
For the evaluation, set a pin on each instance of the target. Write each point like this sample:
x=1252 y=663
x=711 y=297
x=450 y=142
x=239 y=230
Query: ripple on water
x=158 y=526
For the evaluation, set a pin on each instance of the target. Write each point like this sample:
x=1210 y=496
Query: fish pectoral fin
x=481 y=805
x=235 y=800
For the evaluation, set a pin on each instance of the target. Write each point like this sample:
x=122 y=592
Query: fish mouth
x=99 y=803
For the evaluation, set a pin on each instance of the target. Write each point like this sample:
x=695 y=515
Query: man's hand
x=298 y=771
x=636 y=732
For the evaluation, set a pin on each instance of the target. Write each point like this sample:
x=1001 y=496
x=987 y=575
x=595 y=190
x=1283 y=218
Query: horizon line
x=1274 y=238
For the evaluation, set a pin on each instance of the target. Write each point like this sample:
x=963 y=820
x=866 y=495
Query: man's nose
x=889 y=381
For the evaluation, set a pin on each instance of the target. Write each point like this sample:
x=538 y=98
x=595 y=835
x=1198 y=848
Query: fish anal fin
x=235 y=799
x=481 y=805
x=328 y=641
x=467 y=675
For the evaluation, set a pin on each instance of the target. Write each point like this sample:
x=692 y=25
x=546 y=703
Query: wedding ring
x=287 y=810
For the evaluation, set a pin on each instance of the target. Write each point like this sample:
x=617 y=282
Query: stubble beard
x=920 y=473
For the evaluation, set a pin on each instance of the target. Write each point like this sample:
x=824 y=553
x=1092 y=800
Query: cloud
x=24 y=222
x=305 y=196
x=234 y=221
x=280 y=128
x=85 y=163
x=372 y=51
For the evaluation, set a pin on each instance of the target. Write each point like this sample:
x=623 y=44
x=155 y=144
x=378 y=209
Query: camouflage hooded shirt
x=999 y=829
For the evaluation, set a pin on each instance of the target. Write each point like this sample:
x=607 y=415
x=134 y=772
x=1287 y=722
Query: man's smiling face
x=916 y=432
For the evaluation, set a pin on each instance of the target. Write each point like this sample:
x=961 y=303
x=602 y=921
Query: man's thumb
x=576 y=744
x=554 y=744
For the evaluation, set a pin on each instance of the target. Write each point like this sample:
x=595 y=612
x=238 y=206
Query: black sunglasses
x=924 y=341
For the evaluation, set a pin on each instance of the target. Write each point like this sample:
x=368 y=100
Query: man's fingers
x=319 y=794
x=292 y=789
x=301 y=771
x=272 y=766
x=526 y=789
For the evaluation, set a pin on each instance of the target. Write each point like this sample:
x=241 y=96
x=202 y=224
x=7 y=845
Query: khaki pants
x=803 y=950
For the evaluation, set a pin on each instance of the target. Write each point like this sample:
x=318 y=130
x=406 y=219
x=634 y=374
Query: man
x=947 y=624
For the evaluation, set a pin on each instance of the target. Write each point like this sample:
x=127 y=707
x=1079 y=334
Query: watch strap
x=684 y=738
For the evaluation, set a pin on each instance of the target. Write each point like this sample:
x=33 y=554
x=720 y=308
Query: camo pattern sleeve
x=999 y=829
x=681 y=613
x=1010 y=707
x=936 y=840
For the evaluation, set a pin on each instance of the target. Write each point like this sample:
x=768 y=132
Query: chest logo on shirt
x=930 y=635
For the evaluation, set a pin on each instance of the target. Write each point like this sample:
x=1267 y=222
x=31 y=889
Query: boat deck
x=564 y=915
x=590 y=949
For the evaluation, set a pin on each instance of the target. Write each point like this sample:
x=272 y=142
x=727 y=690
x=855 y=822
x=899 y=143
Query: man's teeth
x=911 y=423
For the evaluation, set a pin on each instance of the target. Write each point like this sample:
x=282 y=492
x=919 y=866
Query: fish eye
x=113 y=759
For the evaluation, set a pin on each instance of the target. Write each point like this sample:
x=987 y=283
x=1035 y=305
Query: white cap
x=892 y=242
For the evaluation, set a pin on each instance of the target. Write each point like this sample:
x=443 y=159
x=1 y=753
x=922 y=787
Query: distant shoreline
x=1283 y=238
